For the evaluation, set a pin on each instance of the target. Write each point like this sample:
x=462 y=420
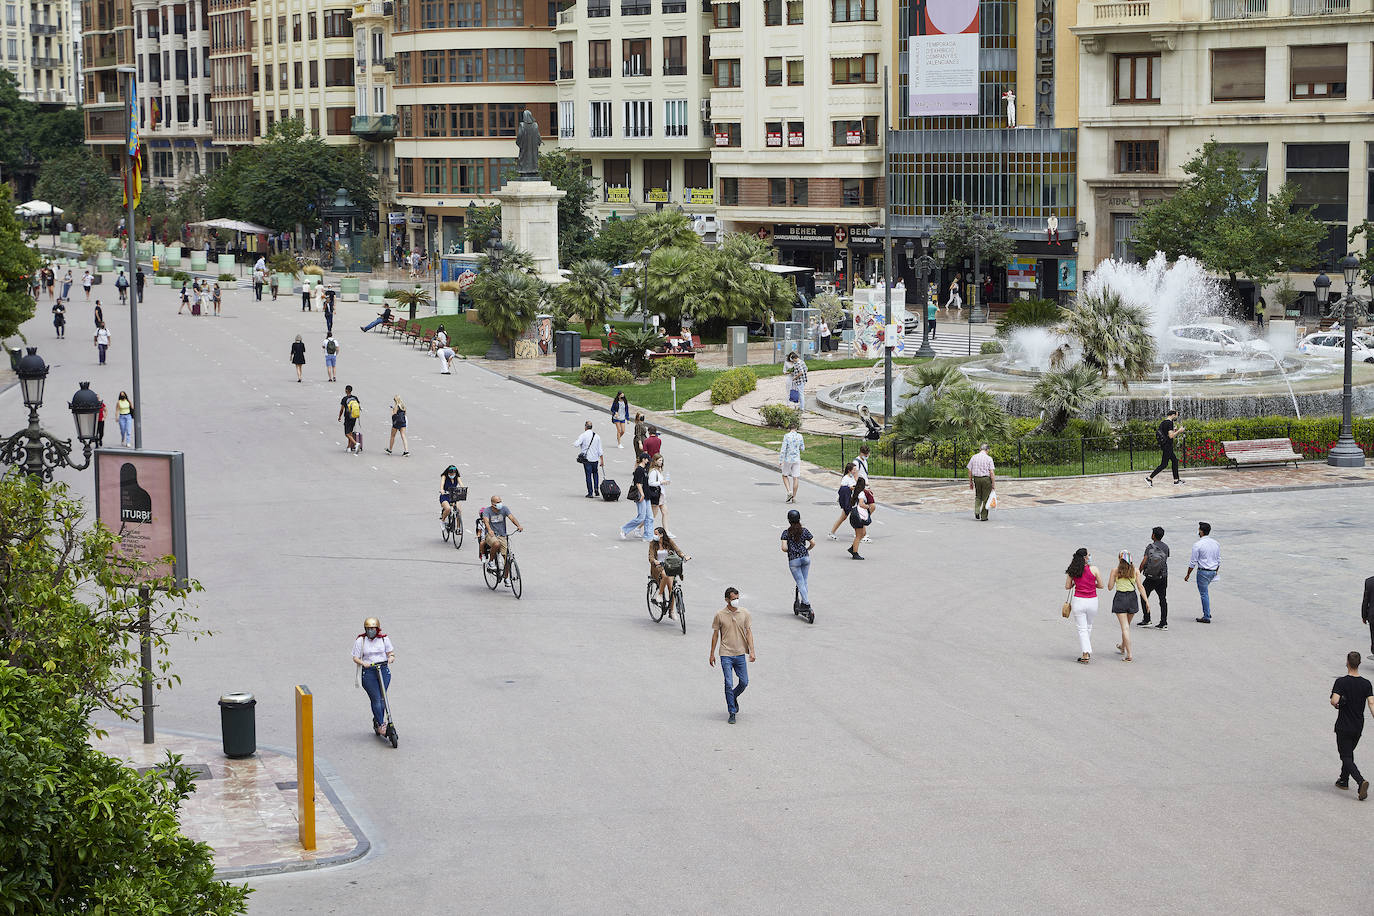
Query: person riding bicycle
x=666 y=560
x=450 y=481
x=492 y=536
x=373 y=653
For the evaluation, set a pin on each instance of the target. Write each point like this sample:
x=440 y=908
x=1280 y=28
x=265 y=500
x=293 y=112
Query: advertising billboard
x=141 y=496
x=942 y=57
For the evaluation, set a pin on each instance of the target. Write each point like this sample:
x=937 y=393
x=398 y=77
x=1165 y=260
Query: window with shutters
x=600 y=125
x=1317 y=71
x=565 y=119
x=639 y=115
x=1137 y=156
x=772 y=71
x=675 y=118
x=726 y=73
x=675 y=56
x=1238 y=74
x=847 y=70
x=598 y=59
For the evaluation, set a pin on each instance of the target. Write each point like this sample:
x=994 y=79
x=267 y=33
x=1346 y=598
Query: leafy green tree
x=76 y=180
x=507 y=299
x=563 y=169
x=479 y=225
x=631 y=345
x=17 y=264
x=412 y=299
x=663 y=229
x=30 y=134
x=729 y=289
x=972 y=412
x=81 y=832
x=961 y=226
x=615 y=243
x=1366 y=229
x=1064 y=394
x=590 y=293
x=1219 y=217
x=1113 y=337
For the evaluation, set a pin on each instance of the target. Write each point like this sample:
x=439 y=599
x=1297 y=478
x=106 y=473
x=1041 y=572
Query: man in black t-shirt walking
x=1164 y=436
x=1349 y=695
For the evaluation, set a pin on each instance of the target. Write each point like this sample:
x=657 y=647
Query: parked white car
x=1331 y=345
x=1212 y=337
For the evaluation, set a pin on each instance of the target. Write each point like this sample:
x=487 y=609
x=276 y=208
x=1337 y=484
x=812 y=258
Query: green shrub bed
x=732 y=384
x=605 y=375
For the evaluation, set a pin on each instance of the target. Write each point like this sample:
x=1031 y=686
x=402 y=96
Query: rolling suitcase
x=610 y=490
x=195 y=308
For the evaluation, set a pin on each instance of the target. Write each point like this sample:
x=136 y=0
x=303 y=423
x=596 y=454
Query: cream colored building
x=172 y=53
x=465 y=70
x=1287 y=83
x=796 y=111
x=633 y=99
x=107 y=43
x=36 y=45
x=303 y=66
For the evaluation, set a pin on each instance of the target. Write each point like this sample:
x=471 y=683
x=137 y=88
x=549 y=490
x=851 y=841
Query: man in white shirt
x=1206 y=559
x=331 y=356
x=789 y=456
x=982 y=477
x=592 y=458
x=440 y=340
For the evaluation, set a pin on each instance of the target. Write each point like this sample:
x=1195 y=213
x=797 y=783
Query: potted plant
x=508 y=299
x=412 y=298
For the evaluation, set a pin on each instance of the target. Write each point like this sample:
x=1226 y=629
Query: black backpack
x=1155 y=563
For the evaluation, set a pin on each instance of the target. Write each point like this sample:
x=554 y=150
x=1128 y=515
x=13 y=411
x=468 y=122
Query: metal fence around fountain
x=1124 y=452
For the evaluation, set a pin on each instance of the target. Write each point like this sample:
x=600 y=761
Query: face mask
x=452 y=473
x=371 y=632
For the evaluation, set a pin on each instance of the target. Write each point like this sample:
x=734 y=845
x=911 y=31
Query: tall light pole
x=131 y=123
x=923 y=265
x=887 y=253
x=1346 y=453
x=644 y=257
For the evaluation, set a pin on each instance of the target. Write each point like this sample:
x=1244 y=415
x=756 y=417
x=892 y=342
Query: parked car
x=1211 y=337
x=1331 y=345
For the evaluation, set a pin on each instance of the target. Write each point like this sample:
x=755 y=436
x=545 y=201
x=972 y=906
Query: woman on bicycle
x=620 y=415
x=797 y=544
x=373 y=653
x=449 y=482
x=660 y=548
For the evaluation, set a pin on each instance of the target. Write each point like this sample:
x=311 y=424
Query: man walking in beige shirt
x=981 y=479
x=731 y=628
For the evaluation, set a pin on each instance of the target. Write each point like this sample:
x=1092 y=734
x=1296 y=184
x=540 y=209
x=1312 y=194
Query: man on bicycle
x=448 y=492
x=665 y=565
x=491 y=528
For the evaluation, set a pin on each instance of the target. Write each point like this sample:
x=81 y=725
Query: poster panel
x=943 y=58
x=1021 y=273
x=1068 y=274
x=141 y=497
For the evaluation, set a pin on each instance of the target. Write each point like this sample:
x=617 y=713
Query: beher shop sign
x=809 y=236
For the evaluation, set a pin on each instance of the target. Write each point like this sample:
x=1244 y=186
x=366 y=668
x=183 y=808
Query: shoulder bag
x=1067 y=607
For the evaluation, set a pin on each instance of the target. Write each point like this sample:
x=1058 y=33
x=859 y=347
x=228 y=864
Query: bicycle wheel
x=489 y=575
x=443 y=529
x=457 y=528
x=515 y=585
x=651 y=601
x=681 y=608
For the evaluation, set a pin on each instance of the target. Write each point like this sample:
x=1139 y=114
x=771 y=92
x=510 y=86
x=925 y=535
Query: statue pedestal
x=529 y=218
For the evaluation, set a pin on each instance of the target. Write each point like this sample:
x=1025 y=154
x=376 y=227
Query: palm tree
x=412 y=298
x=916 y=424
x=671 y=272
x=590 y=292
x=935 y=379
x=664 y=229
x=971 y=412
x=1065 y=394
x=1112 y=336
x=507 y=302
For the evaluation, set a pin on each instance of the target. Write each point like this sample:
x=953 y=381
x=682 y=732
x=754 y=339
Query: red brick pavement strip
x=241 y=811
x=945 y=495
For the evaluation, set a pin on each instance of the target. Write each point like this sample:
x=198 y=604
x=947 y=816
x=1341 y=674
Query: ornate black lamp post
x=1346 y=453
x=495 y=249
x=34 y=450
x=923 y=265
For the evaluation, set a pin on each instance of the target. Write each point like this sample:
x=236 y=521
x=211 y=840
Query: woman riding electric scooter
x=373 y=653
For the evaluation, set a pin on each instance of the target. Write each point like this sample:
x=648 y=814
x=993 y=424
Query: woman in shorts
x=659 y=547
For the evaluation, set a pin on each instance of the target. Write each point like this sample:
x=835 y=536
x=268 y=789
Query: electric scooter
x=386 y=704
x=799 y=609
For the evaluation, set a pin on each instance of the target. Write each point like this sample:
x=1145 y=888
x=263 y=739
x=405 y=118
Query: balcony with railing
x=1320 y=7
x=636 y=8
x=47 y=63
x=38 y=28
x=374 y=128
x=674 y=6
x=673 y=67
x=1240 y=9
x=598 y=73
x=565 y=74
x=569 y=16
x=636 y=67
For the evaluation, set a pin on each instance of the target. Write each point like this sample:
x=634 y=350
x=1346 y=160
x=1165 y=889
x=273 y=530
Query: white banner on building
x=943 y=57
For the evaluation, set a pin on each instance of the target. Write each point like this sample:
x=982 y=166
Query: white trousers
x=1083 y=613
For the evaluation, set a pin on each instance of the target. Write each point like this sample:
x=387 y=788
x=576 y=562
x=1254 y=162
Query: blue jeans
x=373 y=324
x=593 y=472
x=126 y=427
x=801 y=568
x=374 y=690
x=1204 y=582
x=644 y=518
x=731 y=665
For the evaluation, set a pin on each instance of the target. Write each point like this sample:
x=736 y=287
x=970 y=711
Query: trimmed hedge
x=604 y=375
x=989 y=347
x=227 y=278
x=780 y=416
x=672 y=367
x=732 y=384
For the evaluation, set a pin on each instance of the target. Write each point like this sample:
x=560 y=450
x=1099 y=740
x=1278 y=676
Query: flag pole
x=131 y=151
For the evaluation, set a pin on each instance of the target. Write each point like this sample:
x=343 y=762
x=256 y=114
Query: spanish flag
x=133 y=175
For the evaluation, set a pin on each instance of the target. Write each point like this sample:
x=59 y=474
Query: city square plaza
x=928 y=745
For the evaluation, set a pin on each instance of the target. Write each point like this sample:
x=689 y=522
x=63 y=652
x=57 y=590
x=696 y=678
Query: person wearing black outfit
x=1367 y=611
x=1166 y=433
x=1154 y=573
x=1349 y=694
x=139 y=280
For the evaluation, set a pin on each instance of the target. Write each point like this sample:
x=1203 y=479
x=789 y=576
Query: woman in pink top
x=1084 y=580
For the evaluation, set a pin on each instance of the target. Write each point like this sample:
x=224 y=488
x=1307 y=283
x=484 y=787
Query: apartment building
x=232 y=118
x=1288 y=84
x=36 y=44
x=303 y=66
x=634 y=81
x=107 y=42
x=796 y=106
x=996 y=128
x=465 y=70
x=172 y=54
x=374 y=116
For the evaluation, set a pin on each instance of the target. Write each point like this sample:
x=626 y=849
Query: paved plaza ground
x=928 y=745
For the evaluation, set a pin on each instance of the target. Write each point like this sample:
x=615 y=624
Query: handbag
x=1067 y=607
x=794 y=396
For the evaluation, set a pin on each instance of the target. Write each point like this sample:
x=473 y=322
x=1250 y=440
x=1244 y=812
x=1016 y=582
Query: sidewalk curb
x=1290 y=488
x=323 y=771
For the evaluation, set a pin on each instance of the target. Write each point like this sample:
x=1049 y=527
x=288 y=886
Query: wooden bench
x=397 y=327
x=590 y=345
x=1260 y=451
x=424 y=340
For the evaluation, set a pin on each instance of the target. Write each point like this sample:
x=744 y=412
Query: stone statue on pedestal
x=527 y=141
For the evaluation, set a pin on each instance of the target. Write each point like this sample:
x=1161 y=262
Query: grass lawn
x=467 y=338
x=659 y=396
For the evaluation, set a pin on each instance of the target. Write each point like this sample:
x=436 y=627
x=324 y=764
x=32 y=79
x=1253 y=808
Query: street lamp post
x=1346 y=453
x=34 y=450
x=130 y=122
x=644 y=256
x=923 y=265
x=495 y=248
x=977 y=310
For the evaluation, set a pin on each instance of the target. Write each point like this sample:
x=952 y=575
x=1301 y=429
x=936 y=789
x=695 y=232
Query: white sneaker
x=866 y=540
x=620 y=445
x=622 y=535
x=832 y=537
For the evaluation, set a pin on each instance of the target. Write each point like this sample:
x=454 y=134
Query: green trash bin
x=236 y=717
x=15 y=354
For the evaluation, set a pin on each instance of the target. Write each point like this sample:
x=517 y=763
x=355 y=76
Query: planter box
x=198 y=260
x=162 y=281
x=226 y=264
x=104 y=261
x=286 y=284
x=448 y=303
x=159 y=250
x=112 y=245
x=376 y=299
x=348 y=289
x=172 y=262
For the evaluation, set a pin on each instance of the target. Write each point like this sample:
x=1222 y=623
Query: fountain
x=1252 y=380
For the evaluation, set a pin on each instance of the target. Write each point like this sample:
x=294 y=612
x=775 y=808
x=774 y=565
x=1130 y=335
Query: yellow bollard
x=305 y=765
